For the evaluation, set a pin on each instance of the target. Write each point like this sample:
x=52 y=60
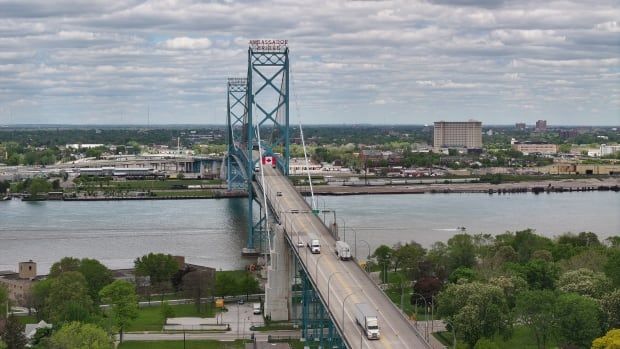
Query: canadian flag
x=267 y=160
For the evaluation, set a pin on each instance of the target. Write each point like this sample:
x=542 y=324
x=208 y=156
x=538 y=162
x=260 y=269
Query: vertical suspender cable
x=262 y=180
x=303 y=142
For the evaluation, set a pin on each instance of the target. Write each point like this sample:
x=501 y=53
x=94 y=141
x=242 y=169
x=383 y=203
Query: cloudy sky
x=413 y=62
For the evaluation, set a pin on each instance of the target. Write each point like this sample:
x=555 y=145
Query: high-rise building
x=458 y=134
x=541 y=125
x=520 y=126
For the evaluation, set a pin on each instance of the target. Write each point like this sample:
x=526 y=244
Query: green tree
x=538 y=273
x=13 y=334
x=225 y=284
x=407 y=257
x=462 y=275
x=97 y=276
x=39 y=186
x=536 y=309
x=610 y=303
x=4 y=298
x=77 y=335
x=511 y=285
x=121 y=296
x=584 y=282
x=166 y=310
x=461 y=252
x=383 y=255
x=40 y=292
x=612 y=267
x=249 y=284
x=2 y=344
x=68 y=298
x=578 y=320
x=158 y=267
x=64 y=265
x=197 y=285
x=4 y=186
x=476 y=310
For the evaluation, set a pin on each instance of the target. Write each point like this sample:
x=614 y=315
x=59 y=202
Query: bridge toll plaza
x=322 y=291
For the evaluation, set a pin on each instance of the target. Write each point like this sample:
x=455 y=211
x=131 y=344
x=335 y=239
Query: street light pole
x=425 y=313
x=328 y=281
x=354 y=241
x=453 y=332
x=343 y=303
x=316 y=269
x=368 y=256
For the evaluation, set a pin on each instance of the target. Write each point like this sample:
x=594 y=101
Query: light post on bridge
x=316 y=269
x=344 y=301
x=328 y=281
x=344 y=230
x=368 y=256
x=425 y=313
x=354 y=241
x=453 y=332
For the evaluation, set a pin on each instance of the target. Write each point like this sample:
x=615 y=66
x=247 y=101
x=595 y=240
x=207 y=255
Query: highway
x=342 y=283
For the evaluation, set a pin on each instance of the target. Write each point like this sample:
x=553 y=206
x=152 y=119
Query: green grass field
x=151 y=318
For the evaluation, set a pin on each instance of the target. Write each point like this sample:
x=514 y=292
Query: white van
x=343 y=251
x=256 y=307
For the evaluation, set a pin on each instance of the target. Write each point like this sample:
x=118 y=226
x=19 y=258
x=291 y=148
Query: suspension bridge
x=319 y=290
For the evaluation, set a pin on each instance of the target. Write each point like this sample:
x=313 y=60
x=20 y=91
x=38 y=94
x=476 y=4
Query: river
x=212 y=232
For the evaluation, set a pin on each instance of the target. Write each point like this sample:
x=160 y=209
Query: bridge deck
x=349 y=283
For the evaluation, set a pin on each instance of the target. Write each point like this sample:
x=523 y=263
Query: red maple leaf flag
x=267 y=160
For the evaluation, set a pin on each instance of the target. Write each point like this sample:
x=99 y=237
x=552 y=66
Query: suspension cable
x=262 y=178
x=303 y=142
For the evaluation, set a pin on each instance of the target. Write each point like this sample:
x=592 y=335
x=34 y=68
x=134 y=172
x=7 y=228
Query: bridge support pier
x=278 y=288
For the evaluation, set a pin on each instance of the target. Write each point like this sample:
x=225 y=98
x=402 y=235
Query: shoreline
x=545 y=186
x=555 y=186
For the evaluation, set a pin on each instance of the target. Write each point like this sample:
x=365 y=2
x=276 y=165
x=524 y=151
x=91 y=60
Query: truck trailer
x=343 y=251
x=368 y=319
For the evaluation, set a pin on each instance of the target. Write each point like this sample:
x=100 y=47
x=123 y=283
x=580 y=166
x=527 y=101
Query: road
x=342 y=283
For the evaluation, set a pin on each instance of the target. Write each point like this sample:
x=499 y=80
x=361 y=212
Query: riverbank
x=439 y=186
x=564 y=185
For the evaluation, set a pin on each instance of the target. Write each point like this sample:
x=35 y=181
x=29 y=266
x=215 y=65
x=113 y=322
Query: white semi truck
x=343 y=251
x=314 y=244
x=368 y=319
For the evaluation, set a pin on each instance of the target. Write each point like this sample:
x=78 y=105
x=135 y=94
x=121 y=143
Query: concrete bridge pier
x=278 y=288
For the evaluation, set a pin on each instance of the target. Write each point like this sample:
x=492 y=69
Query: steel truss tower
x=260 y=100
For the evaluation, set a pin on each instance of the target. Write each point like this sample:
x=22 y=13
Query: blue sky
x=402 y=62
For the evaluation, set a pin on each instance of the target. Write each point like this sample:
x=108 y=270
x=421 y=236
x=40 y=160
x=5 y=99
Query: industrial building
x=534 y=148
x=458 y=134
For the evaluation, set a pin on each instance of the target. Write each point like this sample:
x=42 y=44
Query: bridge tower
x=258 y=104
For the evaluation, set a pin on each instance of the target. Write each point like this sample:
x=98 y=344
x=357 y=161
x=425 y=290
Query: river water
x=212 y=232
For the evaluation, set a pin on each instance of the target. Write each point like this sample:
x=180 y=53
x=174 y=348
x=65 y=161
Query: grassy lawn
x=522 y=338
x=30 y=319
x=193 y=344
x=151 y=319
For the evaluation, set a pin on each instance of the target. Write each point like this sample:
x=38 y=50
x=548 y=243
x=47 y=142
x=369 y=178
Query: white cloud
x=186 y=43
x=501 y=60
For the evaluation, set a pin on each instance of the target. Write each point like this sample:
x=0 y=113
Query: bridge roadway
x=345 y=280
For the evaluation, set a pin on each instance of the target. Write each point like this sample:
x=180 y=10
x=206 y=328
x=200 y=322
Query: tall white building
x=458 y=134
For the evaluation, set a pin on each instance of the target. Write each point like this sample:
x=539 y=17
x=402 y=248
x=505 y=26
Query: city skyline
x=353 y=62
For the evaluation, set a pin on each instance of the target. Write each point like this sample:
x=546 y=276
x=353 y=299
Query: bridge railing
x=315 y=287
